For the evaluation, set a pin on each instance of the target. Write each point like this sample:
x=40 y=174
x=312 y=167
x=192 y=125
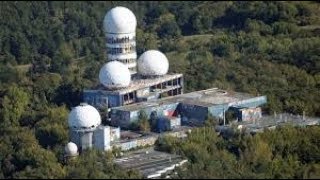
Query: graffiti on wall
x=250 y=114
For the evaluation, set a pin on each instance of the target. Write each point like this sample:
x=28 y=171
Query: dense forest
x=284 y=153
x=50 y=51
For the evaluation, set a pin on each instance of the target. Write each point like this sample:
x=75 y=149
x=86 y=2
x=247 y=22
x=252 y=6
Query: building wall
x=147 y=140
x=167 y=124
x=101 y=99
x=115 y=134
x=196 y=114
x=83 y=140
x=250 y=114
x=120 y=118
x=125 y=146
x=218 y=110
x=178 y=134
x=102 y=138
x=134 y=143
x=125 y=118
x=192 y=114
x=252 y=102
x=163 y=124
x=86 y=140
x=175 y=122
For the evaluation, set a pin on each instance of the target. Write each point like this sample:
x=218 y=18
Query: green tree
x=211 y=121
x=14 y=104
x=24 y=158
x=95 y=164
x=143 y=122
x=52 y=130
x=169 y=29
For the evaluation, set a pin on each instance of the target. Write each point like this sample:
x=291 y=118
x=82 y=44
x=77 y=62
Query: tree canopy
x=50 y=51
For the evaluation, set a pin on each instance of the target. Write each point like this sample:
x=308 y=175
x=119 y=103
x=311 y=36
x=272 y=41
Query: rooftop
x=205 y=98
x=281 y=119
x=149 y=162
x=270 y=122
x=139 y=83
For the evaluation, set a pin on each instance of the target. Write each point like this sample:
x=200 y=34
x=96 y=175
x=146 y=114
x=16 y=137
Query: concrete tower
x=119 y=25
x=83 y=121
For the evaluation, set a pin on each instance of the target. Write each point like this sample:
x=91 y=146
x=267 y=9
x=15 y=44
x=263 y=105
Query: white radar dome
x=84 y=117
x=153 y=62
x=71 y=149
x=114 y=75
x=119 y=20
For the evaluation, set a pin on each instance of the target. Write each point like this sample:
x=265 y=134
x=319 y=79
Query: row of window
x=164 y=85
x=126 y=39
x=98 y=101
x=129 y=98
x=117 y=50
x=126 y=61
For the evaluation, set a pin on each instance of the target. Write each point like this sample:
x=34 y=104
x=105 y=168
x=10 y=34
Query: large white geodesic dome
x=84 y=117
x=114 y=75
x=119 y=20
x=153 y=62
x=71 y=149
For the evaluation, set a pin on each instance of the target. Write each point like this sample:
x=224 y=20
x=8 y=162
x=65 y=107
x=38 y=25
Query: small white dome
x=119 y=20
x=114 y=75
x=71 y=149
x=84 y=117
x=153 y=62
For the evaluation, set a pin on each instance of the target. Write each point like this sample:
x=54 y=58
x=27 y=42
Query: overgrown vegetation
x=286 y=152
x=51 y=51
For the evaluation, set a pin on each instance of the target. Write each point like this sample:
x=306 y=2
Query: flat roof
x=205 y=98
x=139 y=83
x=278 y=120
x=148 y=161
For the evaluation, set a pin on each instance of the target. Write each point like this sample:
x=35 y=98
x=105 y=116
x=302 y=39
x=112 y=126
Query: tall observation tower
x=125 y=78
x=119 y=25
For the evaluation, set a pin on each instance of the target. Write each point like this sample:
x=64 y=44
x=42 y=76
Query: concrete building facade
x=139 y=90
x=191 y=108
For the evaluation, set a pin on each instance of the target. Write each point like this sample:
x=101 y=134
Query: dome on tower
x=153 y=62
x=114 y=75
x=84 y=117
x=71 y=149
x=119 y=20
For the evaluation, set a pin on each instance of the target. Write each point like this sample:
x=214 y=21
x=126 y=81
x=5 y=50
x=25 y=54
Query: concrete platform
x=151 y=163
